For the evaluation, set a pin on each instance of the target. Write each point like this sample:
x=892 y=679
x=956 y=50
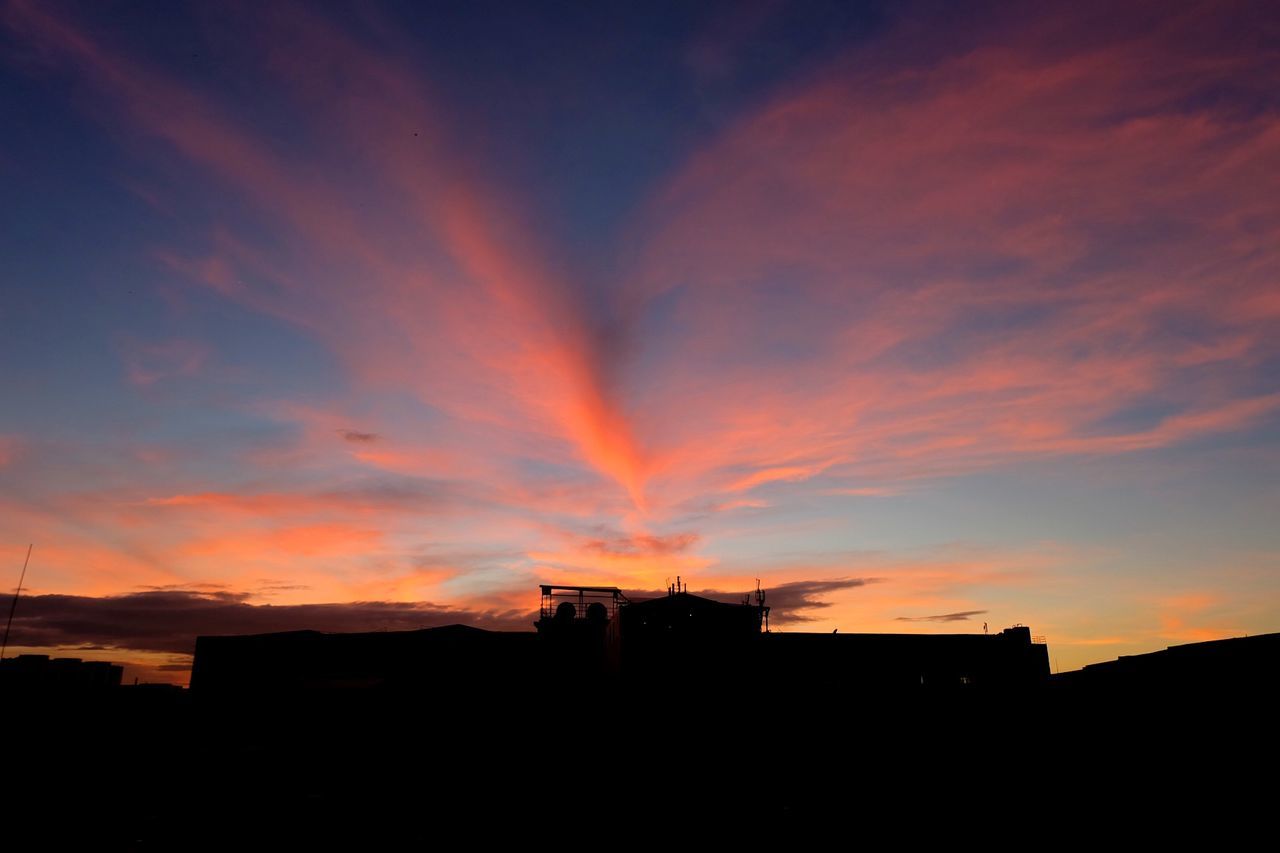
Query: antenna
x=14 y=605
x=764 y=611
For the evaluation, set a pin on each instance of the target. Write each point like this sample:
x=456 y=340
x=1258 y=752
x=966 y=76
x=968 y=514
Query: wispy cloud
x=1037 y=240
x=962 y=616
x=169 y=620
x=149 y=363
x=788 y=602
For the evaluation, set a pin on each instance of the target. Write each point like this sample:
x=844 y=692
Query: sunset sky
x=353 y=317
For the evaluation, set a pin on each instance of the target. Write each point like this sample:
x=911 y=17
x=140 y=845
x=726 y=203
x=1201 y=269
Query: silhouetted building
x=588 y=637
x=36 y=673
x=685 y=639
x=430 y=659
x=855 y=663
x=1239 y=663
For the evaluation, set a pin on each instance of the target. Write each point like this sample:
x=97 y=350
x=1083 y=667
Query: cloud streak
x=788 y=602
x=962 y=616
x=946 y=261
x=949 y=261
x=169 y=620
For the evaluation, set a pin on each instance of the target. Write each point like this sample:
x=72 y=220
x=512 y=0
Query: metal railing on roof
x=581 y=597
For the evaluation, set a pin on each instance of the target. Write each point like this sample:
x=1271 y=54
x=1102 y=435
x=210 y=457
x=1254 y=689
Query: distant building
x=38 y=673
x=1239 y=663
x=427 y=660
x=852 y=663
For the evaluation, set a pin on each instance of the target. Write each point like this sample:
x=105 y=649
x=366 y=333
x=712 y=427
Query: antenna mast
x=14 y=604
x=764 y=611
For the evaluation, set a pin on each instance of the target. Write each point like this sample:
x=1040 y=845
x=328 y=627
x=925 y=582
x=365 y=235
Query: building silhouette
x=37 y=673
x=1214 y=666
x=596 y=638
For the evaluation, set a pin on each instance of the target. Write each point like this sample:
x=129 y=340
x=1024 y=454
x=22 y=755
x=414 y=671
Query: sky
x=362 y=317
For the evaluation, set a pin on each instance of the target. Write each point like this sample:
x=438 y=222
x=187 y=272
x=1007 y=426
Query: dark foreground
x=136 y=770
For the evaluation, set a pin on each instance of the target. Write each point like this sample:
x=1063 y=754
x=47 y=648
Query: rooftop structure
x=598 y=603
x=590 y=636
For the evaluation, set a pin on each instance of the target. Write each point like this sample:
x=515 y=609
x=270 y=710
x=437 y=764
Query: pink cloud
x=149 y=363
x=1052 y=199
x=9 y=446
x=898 y=268
x=984 y=258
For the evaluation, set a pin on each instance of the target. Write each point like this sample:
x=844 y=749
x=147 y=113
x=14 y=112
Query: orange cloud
x=8 y=449
x=531 y=360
